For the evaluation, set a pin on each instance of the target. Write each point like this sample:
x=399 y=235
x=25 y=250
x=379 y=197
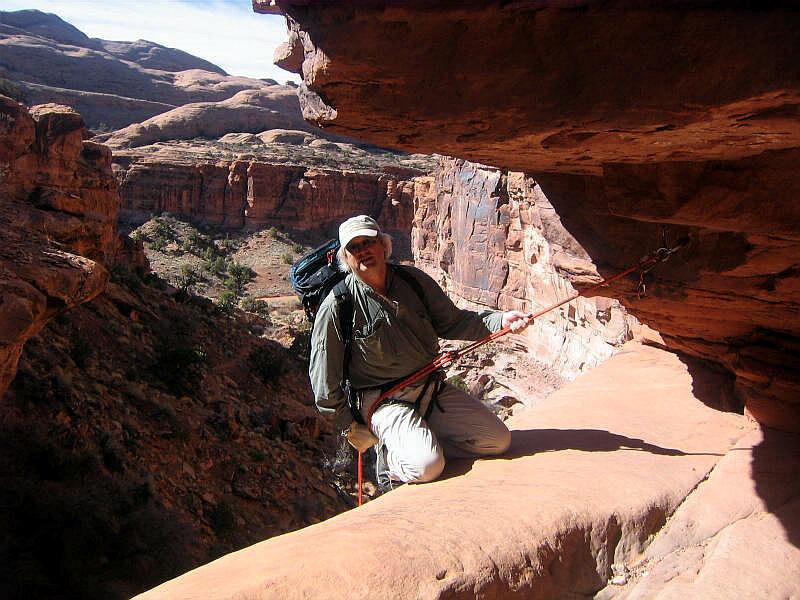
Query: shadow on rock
x=533 y=441
x=712 y=384
x=775 y=469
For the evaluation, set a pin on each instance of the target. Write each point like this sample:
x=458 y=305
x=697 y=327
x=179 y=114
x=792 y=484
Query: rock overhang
x=641 y=124
x=553 y=86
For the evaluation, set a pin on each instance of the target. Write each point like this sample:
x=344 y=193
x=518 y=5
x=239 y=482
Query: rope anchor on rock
x=661 y=255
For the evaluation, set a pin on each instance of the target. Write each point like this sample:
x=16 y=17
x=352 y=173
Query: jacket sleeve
x=451 y=322
x=325 y=365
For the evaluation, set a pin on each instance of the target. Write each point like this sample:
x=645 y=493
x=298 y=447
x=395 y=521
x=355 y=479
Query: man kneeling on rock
x=398 y=318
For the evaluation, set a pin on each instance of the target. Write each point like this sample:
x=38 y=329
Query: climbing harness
x=445 y=359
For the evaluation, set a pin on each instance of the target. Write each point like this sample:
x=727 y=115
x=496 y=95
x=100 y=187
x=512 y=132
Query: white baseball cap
x=356 y=226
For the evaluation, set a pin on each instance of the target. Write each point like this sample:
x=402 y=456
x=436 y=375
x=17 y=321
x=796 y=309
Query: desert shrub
x=216 y=266
x=163 y=231
x=154 y=281
x=298 y=248
x=123 y=275
x=221 y=518
x=238 y=277
x=227 y=301
x=180 y=366
x=266 y=363
x=188 y=277
x=226 y=246
x=257 y=456
x=287 y=258
x=195 y=242
x=458 y=382
x=274 y=233
x=255 y=306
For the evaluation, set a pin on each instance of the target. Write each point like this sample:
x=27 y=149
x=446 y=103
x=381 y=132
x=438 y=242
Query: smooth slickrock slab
x=721 y=544
x=591 y=475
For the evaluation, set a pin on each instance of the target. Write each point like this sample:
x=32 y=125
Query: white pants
x=416 y=449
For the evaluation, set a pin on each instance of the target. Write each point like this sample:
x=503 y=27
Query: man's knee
x=424 y=468
x=500 y=442
x=505 y=441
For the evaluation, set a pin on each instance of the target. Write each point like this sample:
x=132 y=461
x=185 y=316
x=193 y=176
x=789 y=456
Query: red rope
x=446 y=358
x=360 y=477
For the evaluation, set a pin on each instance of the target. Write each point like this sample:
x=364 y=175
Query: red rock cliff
x=57 y=217
x=640 y=124
x=254 y=194
x=493 y=238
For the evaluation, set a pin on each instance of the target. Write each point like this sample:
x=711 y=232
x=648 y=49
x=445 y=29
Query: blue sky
x=225 y=32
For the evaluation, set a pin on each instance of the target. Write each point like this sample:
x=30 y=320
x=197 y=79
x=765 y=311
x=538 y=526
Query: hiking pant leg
x=465 y=427
x=413 y=453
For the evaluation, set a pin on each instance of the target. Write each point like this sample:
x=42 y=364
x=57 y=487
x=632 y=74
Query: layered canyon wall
x=490 y=237
x=253 y=194
x=640 y=124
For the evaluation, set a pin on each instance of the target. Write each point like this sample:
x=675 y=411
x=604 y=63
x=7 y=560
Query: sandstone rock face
x=247 y=111
x=640 y=125
x=563 y=88
x=58 y=218
x=494 y=239
x=707 y=548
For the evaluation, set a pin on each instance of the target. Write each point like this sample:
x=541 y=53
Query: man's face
x=364 y=253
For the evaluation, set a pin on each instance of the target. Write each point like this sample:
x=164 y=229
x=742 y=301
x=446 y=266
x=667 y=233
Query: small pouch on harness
x=360 y=437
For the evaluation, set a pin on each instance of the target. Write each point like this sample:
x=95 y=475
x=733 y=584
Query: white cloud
x=225 y=32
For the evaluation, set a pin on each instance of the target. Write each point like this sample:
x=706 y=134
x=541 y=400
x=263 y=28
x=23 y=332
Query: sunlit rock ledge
x=623 y=476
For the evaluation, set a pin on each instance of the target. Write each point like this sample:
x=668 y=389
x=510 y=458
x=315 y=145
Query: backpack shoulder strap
x=344 y=306
x=405 y=274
